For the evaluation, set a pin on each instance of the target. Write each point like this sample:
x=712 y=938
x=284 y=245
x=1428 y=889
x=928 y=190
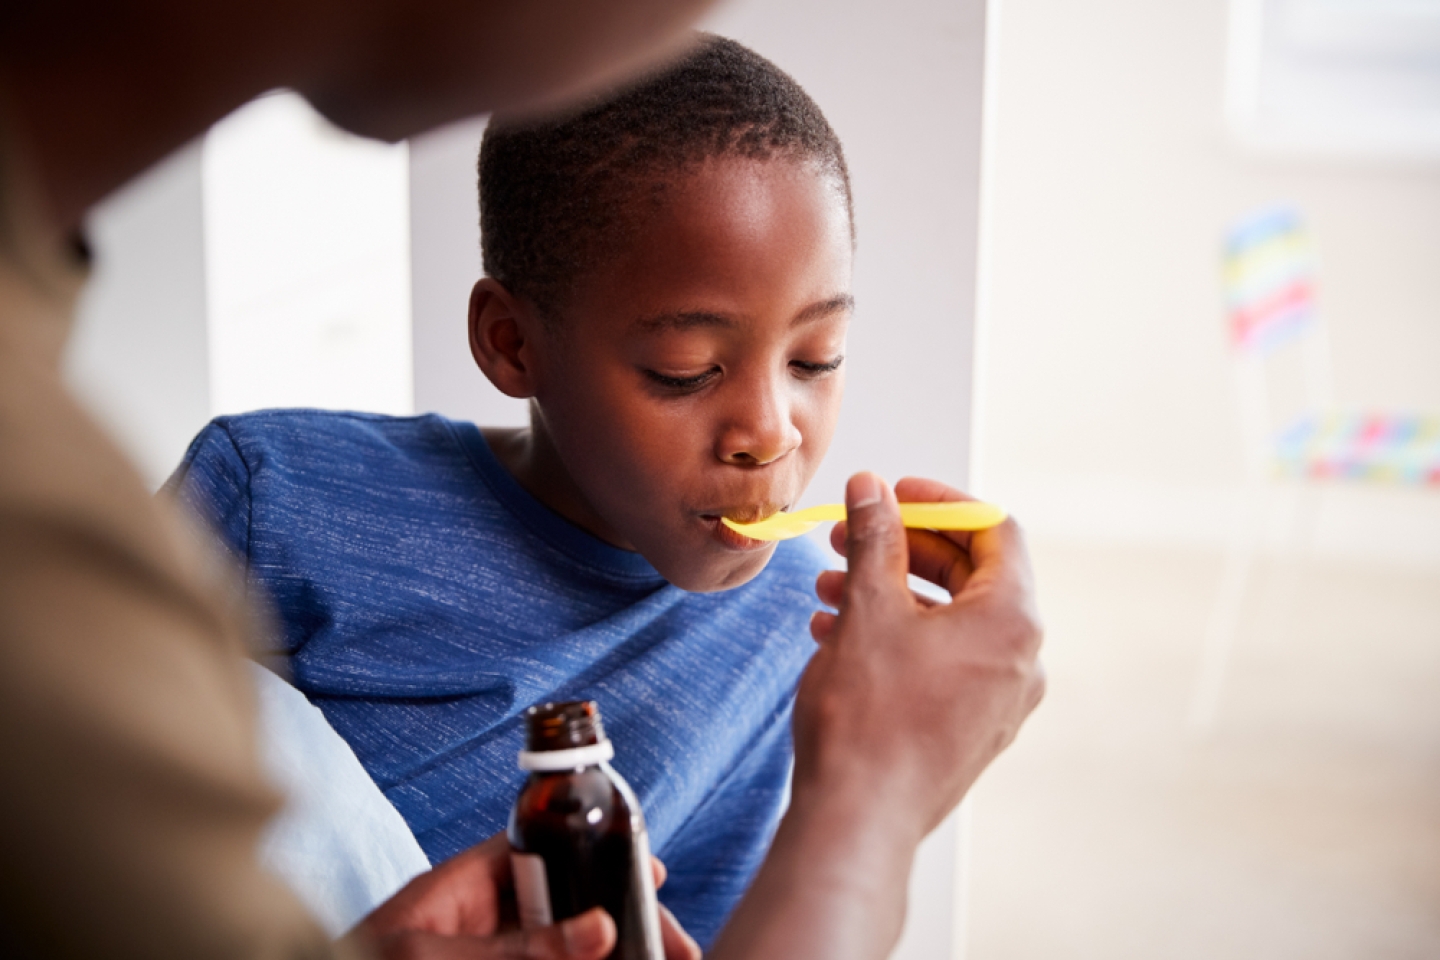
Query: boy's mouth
x=748 y=514
x=731 y=539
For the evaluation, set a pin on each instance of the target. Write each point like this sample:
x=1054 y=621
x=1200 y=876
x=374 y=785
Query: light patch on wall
x=1336 y=77
x=307 y=263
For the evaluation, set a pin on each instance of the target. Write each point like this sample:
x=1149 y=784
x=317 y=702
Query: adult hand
x=901 y=708
x=910 y=697
x=465 y=908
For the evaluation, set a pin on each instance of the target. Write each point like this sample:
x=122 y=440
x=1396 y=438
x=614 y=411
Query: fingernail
x=865 y=490
x=584 y=934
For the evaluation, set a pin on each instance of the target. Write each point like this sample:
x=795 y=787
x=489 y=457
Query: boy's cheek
x=817 y=433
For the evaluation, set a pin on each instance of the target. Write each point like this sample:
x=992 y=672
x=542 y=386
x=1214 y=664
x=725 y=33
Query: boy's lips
x=731 y=539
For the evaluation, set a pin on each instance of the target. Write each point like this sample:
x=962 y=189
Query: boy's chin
x=712 y=575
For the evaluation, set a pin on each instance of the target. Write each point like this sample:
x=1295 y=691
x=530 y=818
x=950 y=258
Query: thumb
x=875 y=546
x=590 y=936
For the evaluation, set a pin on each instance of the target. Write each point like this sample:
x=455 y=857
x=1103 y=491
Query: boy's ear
x=503 y=331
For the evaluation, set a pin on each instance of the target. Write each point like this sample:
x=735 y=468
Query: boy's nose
x=760 y=433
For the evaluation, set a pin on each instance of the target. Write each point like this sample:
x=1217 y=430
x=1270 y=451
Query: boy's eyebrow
x=841 y=303
x=691 y=319
x=682 y=320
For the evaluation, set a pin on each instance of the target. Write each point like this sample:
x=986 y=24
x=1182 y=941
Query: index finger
x=925 y=490
x=1001 y=566
x=995 y=555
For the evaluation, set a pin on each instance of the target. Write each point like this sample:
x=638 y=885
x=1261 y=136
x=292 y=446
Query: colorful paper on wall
x=1269 y=279
x=1374 y=447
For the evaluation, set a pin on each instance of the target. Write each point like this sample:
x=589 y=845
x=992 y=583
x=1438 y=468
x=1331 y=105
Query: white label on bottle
x=532 y=890
x=649 y=907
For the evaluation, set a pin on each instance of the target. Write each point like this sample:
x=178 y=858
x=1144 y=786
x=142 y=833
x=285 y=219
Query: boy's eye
x=682 y=384
x=818 y=369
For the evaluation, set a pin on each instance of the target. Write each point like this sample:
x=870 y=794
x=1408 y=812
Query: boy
x=668 y=277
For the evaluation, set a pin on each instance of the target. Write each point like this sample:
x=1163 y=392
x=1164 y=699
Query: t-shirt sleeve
x=714 y=857
x=213 y=482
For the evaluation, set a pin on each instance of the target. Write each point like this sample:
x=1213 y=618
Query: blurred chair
x=1275 y=329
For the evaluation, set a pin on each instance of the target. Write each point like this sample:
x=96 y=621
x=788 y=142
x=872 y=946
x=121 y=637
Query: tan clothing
x=132 y=798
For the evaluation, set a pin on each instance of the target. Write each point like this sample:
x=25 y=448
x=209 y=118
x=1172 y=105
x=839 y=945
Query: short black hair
x=555 y=195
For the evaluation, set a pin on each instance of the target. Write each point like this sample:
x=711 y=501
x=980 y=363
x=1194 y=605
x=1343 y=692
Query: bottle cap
x=564 y=736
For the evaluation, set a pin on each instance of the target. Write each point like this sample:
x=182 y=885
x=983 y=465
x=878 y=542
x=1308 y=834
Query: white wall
x=901 y=83
x=265 y=265
x=307 y=263
x=444 y=265
x=1109 y=410
x=139 y=354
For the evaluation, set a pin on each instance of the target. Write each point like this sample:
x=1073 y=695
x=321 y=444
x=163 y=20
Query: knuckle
x=828 y=709
x=1025 y=634
x=530 y=945
x=875 y=527
x=548 y=944
x=1033 y=628
x=404 y=946
x=865 y=592
x=1022 y=671
x=1039 y=683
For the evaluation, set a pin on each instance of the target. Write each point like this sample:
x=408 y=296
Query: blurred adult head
x=97 y=90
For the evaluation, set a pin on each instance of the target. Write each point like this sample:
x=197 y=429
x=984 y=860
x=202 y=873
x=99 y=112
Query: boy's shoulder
x=277 y=471
x=318 y=446
x=304 y=428
x=349 y=442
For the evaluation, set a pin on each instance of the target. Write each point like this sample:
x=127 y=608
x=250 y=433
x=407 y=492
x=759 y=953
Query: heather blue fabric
x=426 y=600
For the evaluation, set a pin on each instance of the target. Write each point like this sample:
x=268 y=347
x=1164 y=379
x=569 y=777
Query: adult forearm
x=833 y=887
x=133 y=798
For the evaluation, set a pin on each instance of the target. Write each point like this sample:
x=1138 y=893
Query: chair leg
x=1221 y=629
x=1294 y=560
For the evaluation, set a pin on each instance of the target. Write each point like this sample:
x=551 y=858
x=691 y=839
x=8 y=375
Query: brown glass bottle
x=577 y=836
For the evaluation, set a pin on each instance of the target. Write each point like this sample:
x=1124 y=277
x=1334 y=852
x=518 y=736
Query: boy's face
x=699 y=375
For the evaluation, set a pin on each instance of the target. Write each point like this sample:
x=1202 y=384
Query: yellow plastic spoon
x=957 y=515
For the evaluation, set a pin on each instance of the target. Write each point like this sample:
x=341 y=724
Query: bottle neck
x=539 y=761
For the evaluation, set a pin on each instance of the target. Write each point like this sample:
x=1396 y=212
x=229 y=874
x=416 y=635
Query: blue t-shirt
x=426 y=599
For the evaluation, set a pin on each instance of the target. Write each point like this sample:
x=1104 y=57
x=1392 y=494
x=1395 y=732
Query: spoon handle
x=956 y=515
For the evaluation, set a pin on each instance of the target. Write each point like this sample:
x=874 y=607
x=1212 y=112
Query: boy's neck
x=529 y=456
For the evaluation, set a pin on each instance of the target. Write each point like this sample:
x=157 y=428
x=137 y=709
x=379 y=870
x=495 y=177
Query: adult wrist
x=833 y=886
x=877 y=824
x=876 y=801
